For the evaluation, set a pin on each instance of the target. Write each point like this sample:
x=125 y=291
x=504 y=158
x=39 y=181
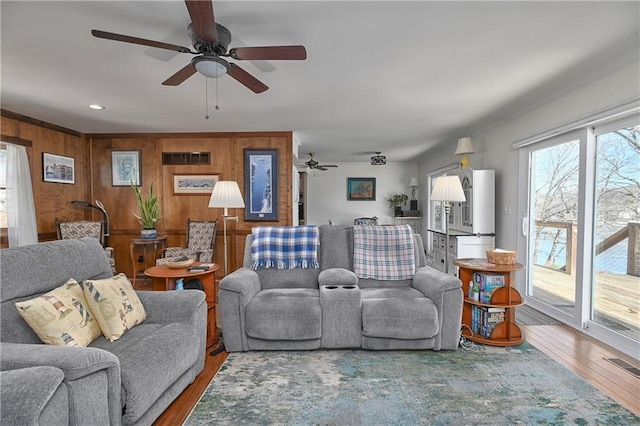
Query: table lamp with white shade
x=447 y=189
x=226 y=194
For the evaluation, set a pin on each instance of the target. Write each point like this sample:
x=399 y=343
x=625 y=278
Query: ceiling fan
x=314 y=165
x=211 y=41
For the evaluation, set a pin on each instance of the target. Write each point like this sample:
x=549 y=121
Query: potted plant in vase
x=149 y=212
x=396 y=201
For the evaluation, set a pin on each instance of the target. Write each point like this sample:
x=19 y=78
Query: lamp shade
x=226 y=194
x=464 y=146
x=448 y=188
x=413 y=182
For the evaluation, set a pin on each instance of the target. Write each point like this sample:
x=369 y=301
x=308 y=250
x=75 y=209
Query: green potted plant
x=396 y=201
x=149 y=212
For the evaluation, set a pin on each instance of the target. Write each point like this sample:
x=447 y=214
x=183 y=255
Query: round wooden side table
x=164 y=279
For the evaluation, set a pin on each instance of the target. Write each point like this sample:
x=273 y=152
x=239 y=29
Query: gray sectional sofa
x=329 y=307
x=129 y=381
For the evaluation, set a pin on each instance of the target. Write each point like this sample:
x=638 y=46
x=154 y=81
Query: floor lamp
x=226 y=194
x=447 y=189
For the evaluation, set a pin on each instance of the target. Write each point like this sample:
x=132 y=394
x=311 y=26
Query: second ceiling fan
x=211 y=41
x=314 y=165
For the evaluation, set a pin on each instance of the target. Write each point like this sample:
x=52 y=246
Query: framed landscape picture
x=125 y=168
x=361 y=189
x=58 y=169
x=261 y=184
x=194 y=184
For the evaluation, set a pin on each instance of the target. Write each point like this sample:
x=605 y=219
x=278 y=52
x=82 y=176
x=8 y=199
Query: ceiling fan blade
x=320 y=168
x=247 y=79
x=180 y=76
x=136 y=40
x=201 y=13
x=327 y=165
x=269 y=53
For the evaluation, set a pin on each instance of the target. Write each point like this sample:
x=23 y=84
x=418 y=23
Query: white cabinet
x=414 y=222
x=460 y=247
x=471 y=223
x=477 y=214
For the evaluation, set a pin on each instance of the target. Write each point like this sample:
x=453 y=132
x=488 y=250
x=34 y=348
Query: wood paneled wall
x=53 y=200
x=227 y=160
x=92 y=154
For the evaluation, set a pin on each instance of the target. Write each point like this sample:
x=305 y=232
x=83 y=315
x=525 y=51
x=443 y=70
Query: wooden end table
x=164 y=279
x=158 y=244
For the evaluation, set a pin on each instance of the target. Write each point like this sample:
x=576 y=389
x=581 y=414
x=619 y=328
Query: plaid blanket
x=285 y=247
x=384 y=252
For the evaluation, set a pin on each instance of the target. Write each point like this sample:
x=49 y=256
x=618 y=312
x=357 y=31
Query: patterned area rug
x=488 y=386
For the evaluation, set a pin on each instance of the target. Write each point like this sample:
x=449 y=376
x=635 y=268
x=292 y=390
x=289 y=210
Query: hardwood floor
x=579 y=353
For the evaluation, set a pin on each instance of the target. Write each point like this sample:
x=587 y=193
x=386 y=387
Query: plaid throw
x=384 y=252
x=285 y=247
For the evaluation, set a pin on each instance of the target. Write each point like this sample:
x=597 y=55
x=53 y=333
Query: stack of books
x=488 y=283
x=484 y=319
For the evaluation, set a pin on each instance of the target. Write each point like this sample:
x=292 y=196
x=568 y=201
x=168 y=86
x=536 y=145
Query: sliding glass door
x=581 y=230
x=553 y=207
x=615 y=299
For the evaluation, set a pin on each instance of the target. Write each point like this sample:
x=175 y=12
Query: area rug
x=485 y=386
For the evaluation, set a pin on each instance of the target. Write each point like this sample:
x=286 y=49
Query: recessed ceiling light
x=96 y=106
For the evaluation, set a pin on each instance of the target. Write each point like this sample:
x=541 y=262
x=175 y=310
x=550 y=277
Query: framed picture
x=125 y=168
x=58 y=169
x=194 y=184
x=361 y=189
x=261 y=184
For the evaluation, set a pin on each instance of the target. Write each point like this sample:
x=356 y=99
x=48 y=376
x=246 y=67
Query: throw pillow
x=115 y=305
x=61 y=317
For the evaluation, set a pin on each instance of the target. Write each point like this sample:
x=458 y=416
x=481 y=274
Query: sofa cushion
x=152 y=357
x=285 y=314
x=399 y=317
x=61 y=317
x=115 y=305
x=339 y=276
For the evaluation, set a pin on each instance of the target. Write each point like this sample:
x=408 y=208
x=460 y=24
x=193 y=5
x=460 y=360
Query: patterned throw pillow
x=61 y=317
x=115 y=305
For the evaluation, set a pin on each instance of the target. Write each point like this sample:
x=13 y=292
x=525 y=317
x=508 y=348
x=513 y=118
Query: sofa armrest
x=164 y=307
x=87 y=372
x=33 y=396
x=446 y=292
x=236 y=291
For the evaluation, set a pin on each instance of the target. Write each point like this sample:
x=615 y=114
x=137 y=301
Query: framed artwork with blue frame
x=261 y=184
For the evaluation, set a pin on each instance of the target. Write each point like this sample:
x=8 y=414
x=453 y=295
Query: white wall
x=326 y=192
x=494 y=146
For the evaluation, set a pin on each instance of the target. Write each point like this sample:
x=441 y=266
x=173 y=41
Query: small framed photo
x=261 y=184
x=125 y=168
x=361 y=189
x=194 y=184
x=58 y=169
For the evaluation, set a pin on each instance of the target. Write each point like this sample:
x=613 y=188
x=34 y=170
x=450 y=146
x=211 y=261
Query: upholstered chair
x=201 y=236
x=85 y=229
x=366 y=221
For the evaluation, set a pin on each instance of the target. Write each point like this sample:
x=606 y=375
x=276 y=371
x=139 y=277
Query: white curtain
x=21 y=211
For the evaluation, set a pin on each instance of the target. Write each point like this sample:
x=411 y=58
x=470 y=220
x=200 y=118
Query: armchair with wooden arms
x=201 y=236
x=72 y=230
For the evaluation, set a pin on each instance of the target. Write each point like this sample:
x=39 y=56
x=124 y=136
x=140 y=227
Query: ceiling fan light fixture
x=210 y=66
x=378 y=160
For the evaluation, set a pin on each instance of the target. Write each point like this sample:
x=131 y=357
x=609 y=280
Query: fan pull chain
x=206 y=98
x=217 y=107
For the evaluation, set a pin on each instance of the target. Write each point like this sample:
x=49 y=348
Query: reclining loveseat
x=265 y=307
x=131 y=380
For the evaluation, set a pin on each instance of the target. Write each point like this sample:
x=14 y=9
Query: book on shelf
x=484 y=319
x=488 y=283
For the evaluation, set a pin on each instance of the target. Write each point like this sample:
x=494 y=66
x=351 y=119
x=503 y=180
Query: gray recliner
x=330 y=307
x=129 y=381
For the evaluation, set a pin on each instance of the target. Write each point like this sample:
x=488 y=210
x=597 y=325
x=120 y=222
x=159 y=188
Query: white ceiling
x=397 y=77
